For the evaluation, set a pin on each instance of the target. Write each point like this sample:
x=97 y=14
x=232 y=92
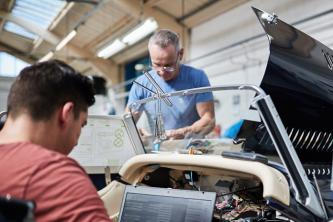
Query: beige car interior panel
x=274 y=183
x=112 y=196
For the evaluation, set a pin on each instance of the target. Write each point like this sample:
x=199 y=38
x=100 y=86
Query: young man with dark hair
x=47 y=107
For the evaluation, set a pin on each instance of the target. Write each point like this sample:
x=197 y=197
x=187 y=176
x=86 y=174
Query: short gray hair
x=164 y=38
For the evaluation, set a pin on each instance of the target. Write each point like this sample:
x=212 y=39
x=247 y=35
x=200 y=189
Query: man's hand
x=178 y=133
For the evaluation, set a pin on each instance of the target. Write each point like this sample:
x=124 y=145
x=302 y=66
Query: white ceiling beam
x=2 y=22
x=14 y=52
x=135 y=9
x=152 y=3
x=106 y=37
x=212 y=11
x=53 y=24
x=134 y=52
x=139 y=11
x=32 y=27
x=104 y=67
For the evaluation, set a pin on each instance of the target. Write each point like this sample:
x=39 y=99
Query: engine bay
x=237 y=199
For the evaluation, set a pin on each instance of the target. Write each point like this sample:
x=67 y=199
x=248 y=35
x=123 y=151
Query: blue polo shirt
x=183 y=111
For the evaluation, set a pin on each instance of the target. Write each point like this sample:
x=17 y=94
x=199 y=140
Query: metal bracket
x=270 y=19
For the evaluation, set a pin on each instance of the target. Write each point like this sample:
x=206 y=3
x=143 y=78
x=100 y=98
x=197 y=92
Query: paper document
x=104 y=141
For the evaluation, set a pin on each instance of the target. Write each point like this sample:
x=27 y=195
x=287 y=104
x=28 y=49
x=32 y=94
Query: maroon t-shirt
x=58 y=185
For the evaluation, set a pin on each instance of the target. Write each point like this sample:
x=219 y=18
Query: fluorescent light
x=111 y=49
x=46 y=57
x=61 y=15
x=149 y=26
x=140 y=32
x=65 y=40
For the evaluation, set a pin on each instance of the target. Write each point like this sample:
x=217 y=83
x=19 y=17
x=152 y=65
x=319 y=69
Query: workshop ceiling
x=97 y=24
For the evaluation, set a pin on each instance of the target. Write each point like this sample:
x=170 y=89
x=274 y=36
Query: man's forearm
x=203 y=126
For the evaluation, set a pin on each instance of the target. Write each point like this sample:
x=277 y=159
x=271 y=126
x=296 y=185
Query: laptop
x=162 y=204
x=107 y=141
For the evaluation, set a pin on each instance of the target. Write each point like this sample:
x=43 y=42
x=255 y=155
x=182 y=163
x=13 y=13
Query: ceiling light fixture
x=141 y=31
x=46 y=57
x=111 y=49
x=138 y=33
x=65 y=40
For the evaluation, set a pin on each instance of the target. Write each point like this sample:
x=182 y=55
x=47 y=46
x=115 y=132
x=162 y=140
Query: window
x=10 y=65
x=41 y=13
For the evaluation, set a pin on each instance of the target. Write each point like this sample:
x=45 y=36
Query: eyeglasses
x=163 y=68
x=171 y=68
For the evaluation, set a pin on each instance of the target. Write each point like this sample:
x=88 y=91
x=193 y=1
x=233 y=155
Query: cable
x=144 y=87
x=249 y=188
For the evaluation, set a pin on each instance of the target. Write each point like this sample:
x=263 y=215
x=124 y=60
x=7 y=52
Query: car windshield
x=161 y=117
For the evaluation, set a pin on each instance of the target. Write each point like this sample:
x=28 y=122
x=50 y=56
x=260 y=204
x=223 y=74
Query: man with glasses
x=189 y=114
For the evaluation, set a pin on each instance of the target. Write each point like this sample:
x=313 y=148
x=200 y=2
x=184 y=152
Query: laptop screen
x=162 y=204
x=108 y=141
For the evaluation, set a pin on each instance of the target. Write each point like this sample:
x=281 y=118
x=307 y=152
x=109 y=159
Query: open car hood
x=298 y=76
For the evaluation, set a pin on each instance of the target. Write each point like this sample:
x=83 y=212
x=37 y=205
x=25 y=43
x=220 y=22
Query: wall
x=5 y=83
x=221 y=48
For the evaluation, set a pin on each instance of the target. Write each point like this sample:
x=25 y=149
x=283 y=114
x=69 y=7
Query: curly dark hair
x=42 y=88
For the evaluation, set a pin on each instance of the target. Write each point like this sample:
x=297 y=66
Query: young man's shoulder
x=54 y=177
x=30 y=154
x=26 y=161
